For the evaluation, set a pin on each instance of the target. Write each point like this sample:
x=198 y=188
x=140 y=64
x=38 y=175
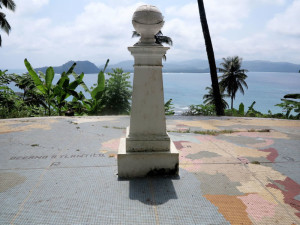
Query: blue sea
x=266 y=88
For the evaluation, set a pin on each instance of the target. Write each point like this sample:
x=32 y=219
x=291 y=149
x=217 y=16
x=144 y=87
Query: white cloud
x=269 y=2
x=259 y=46
x=29 y=34
x=27 y=29
x=103 y=30
x=184 y=27
x=287 y=22
x=27 y=7
x=229 y=16
x=219 y=18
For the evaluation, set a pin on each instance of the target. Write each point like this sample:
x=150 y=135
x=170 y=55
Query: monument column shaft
x=147 y=130
x=147 y=103
x=147 y=111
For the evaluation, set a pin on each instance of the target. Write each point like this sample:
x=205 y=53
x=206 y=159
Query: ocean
x=266 y=88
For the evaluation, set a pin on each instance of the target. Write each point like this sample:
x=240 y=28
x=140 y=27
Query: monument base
x=147 y=143
x=141 y=164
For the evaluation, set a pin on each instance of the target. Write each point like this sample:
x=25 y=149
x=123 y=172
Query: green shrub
x=203 y=110
x=241 y=109
x=288 y=106
x=117 y=93
x=169 y=109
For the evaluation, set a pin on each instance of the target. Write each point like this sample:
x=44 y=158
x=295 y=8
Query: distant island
x=201 y=66
x=188 y=66
x=81 y=67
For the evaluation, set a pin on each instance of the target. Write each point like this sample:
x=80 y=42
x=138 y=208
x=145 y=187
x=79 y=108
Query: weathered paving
x=63 y=170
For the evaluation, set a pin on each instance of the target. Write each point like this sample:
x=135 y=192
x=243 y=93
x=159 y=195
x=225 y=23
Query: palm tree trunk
x=211 y=59
x=231 y=103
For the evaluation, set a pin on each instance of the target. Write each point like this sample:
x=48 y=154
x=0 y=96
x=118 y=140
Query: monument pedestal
x=147 y=148
x=141 y=164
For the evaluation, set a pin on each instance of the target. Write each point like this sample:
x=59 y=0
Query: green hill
x=81 y=66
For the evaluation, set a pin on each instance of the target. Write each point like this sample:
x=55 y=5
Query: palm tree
x=210 y=100
x=233 y=78
x=211 y=60
x=9 y=4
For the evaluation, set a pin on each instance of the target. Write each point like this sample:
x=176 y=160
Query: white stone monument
x=147 y=148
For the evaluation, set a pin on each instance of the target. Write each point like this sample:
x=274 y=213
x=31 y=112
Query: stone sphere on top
x=147 y=20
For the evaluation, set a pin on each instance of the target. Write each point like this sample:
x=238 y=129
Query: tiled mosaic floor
x=63 y=171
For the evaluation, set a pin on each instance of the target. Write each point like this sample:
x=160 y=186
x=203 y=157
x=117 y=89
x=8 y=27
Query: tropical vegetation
x=169 y=108
x=42 y=97
x=4 y=25
x=290 y=106
x=12 y=104
x=117 y=93
x=290 y=110
x=210 y=100
x=201 y=110
x=233 y=80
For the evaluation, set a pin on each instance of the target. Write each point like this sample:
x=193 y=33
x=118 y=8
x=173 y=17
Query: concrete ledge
x=147 y=145
x=147 y=142
x=141 y=164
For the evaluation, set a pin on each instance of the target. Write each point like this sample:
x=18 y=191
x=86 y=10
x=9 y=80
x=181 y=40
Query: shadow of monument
x=152 y=190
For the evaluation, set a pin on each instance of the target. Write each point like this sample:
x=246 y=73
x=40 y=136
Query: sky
x=52 y=32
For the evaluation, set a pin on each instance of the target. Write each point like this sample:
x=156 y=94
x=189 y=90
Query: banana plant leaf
x=42 y=75
x=35 y=77
x=82 y=84
x=73 y=85
x=70 y=71
x=100 y=83
x=63 y=82
x=49 y=77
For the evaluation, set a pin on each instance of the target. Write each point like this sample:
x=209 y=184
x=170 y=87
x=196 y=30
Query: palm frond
x=243 y=82
x=159 y=33
x=159 y=38
x=240 y=88
x=163 y=40
x=10 y=4
x=4 y=24
x=221 y=70
x=135 y=34
x=164 y=57
x=209 y=89
x=210 y=100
